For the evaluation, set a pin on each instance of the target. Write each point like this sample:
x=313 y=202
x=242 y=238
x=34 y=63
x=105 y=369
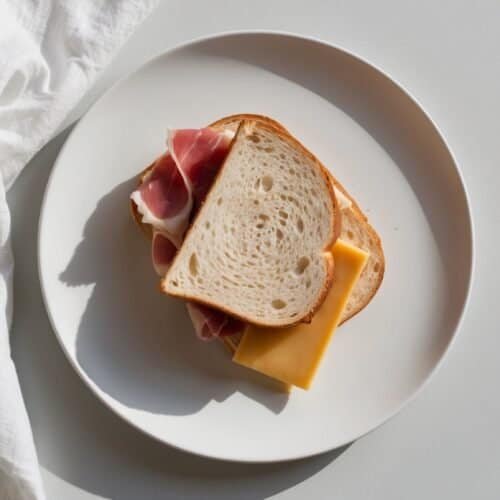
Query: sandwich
x=267 y=249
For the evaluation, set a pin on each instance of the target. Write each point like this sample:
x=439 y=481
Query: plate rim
x=346 y=52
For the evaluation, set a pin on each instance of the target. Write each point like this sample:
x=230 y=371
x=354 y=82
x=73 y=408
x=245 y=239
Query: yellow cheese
x=293 y=354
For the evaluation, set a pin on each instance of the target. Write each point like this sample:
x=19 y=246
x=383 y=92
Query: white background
x=446 y=444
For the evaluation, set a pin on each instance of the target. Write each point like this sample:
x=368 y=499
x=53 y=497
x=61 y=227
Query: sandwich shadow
x=135 y=343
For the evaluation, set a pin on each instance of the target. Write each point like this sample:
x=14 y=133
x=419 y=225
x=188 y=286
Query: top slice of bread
x=258 y=248
x=354 y=228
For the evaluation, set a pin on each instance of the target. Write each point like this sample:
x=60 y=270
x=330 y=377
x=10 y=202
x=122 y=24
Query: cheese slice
x=293 y=354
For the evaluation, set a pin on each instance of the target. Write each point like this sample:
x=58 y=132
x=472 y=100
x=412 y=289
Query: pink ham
x=180 y=179
x=211 y=323
x=163 y=252
x=199 y=154
x=164 y=199
x=169 y=197
x=165 y=191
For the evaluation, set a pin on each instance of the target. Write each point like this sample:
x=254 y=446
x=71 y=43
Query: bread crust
x=228 y=121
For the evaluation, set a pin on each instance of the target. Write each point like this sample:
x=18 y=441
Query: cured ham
x=164 y=199
x=168 y=198
x=163 y=251
x=180 y=179
x=199 y=154
x=210 y=323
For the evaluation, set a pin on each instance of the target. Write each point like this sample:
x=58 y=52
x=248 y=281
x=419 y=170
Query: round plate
x=135 y=347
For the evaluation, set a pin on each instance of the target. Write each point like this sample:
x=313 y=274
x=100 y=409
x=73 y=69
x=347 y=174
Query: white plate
x=136 y=349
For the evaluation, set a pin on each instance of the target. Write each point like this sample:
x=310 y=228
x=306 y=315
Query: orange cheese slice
x=292 y=355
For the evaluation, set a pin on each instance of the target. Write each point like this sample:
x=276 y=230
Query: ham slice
x=180 y=179
x=210 y=323
x=168 y=198
x=164 y=199
x=163 y=252
x=199 y=154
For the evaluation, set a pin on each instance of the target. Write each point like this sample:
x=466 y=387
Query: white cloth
x=50 y=53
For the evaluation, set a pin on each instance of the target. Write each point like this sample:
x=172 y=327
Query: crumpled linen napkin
x=50 y=54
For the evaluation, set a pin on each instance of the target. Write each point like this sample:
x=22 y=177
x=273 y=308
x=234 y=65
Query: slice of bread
x=258 y=248
x=355 y=228
x=357 y=231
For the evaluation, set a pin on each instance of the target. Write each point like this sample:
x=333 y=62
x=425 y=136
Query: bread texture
x=259 y=248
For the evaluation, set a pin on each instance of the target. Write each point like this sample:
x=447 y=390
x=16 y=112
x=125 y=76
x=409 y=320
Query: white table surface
x=445 y=444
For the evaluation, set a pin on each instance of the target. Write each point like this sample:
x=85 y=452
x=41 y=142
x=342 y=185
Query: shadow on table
x=78 y=439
